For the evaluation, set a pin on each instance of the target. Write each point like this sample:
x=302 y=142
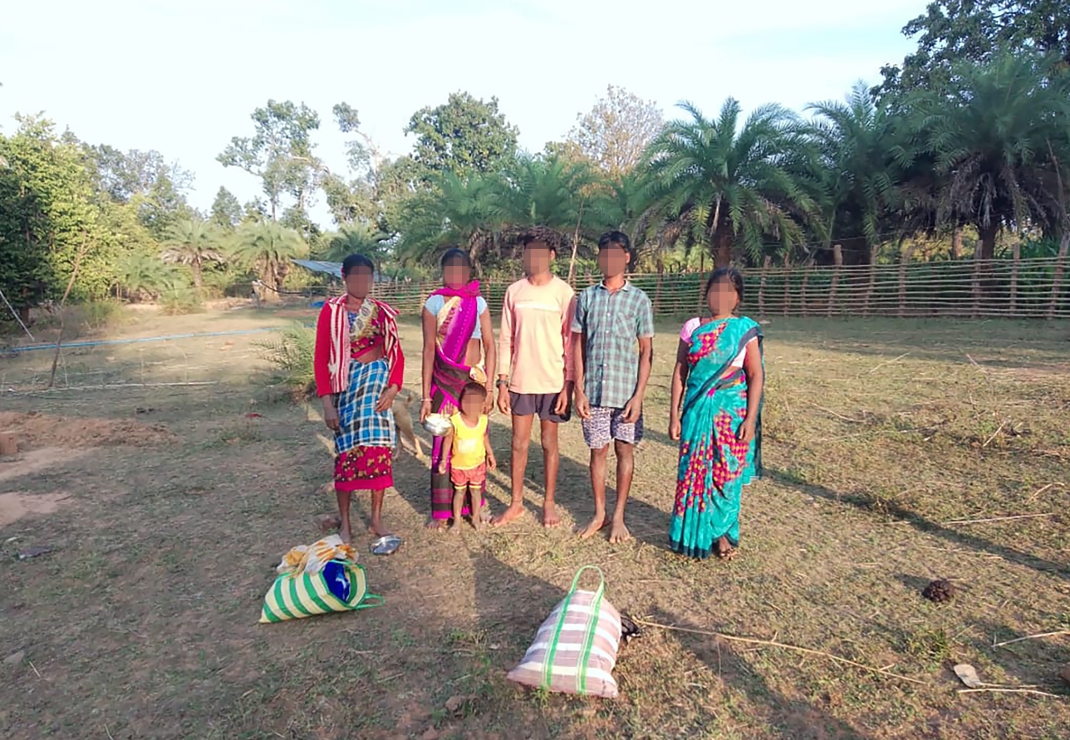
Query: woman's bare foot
x=438 y=525
x=376 y=527
x=725 y=551
x=549 y=516
x=346 y=533
x=454 y=528
x=508 y=515
x=619 y=533
x=596 y=525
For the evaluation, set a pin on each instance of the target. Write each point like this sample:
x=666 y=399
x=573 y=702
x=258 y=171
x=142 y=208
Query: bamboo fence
x=1013 y=289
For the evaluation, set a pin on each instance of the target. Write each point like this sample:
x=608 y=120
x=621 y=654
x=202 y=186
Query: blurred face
x=722 y=297
x=456 y=274
x=612 y=260
x=537 y=258
x=472 y=404
x=359 y=282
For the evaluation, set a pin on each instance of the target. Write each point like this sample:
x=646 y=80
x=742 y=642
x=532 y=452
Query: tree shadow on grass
x=794 y=719
x=922 y=524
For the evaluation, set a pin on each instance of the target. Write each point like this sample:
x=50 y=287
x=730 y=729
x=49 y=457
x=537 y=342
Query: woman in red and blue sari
x=717 y=421
x=458 y=349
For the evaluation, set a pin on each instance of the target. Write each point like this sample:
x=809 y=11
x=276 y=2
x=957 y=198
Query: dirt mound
x=35 y=430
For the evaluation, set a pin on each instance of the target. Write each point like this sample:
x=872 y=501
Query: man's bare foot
x=438 y=525
x=507 y=516
x=377 y=528
x=596 y=525
x=550 y=518
x=619 y=533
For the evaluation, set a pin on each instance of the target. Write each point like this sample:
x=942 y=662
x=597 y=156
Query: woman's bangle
x=425 y=400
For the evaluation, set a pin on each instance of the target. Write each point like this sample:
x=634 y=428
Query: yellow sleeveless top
x=468 y=449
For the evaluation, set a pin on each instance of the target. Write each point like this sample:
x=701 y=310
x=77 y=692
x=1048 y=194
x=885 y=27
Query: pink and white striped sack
x=575 y=649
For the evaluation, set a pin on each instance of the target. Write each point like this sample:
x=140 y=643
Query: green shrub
x=291 y=360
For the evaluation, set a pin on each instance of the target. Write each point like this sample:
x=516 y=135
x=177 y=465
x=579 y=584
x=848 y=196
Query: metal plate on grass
x=387 y=545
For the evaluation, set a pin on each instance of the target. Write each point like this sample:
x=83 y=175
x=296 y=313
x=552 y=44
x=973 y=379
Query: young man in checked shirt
x=611 y=318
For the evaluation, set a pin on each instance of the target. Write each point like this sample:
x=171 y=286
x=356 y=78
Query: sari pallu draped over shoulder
x=714 y=464
x=455 y=323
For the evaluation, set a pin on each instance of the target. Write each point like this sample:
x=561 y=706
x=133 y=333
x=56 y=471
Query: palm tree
x=551 y=191
x=992 y=139
x=465 y=211
x=358 y=238
x=192 y=242
x=855 y=143
x=731 y=184
x=267 y=248
x=143 y=276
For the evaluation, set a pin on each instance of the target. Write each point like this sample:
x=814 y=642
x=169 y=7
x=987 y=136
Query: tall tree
x=226 y=210
x=856 y=143
x=192 y=242
x=154 y=187
x=997 y=137
x=954 y=31
x=617 y=131
x=728 y=182
x=48 y=215
x=463 y=136
x=267 y=248
x=280 y=153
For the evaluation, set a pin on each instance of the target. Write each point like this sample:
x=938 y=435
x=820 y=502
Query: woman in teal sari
x=717 y=421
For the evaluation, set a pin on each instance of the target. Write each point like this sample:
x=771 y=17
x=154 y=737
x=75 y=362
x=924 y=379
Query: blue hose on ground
x=102 y=342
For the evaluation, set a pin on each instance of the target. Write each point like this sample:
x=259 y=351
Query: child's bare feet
x=549 y=516
x=596 y=525
x=376 y=527
x=619 y=533
x=438 y=525
x=477 y=519
x=508 y=515
x=455 y=528
x=346 y=533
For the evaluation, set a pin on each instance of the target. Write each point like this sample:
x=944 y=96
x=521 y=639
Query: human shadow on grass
x=794 y=719
x=646 y=523
x=922 y=524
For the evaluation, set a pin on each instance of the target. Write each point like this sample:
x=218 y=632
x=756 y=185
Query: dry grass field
x=169 y=480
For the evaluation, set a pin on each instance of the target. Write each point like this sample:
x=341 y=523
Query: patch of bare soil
x=14 y=506
x=35 y=430
x=35 y=460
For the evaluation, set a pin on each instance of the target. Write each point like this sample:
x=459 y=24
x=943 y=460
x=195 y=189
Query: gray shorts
x=528 y=404
x=607 y=425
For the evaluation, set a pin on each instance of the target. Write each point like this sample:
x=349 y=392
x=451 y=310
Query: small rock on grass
x=431 y=734
x=1064 y=674
x=15 y=658
x=35 y=552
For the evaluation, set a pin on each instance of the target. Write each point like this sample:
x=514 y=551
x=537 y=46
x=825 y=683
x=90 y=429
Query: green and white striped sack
x=575 y=649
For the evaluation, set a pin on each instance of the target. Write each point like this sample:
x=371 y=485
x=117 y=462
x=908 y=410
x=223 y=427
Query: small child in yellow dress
x=468 y=447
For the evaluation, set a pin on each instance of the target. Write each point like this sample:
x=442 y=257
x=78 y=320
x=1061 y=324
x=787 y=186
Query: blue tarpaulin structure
x=334 y=269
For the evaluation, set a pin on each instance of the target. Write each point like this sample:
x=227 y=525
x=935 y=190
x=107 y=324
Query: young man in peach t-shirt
x=535 y=365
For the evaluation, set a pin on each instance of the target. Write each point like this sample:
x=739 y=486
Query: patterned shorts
x=606 y=425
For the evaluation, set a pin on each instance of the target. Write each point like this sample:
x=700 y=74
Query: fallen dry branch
x=1042 y=489
x=1003 y=690
x=783 y=646
x=830 y=412
x=994 y=435
x=999 y=518
x=888 y=362
x=1057 y=633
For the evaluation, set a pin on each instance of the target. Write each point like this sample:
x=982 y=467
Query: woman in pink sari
x=458 y=348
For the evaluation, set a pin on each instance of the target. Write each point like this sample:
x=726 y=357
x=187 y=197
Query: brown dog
x=403 y=420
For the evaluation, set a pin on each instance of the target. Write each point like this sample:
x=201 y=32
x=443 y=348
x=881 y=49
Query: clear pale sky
x=182 y=77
